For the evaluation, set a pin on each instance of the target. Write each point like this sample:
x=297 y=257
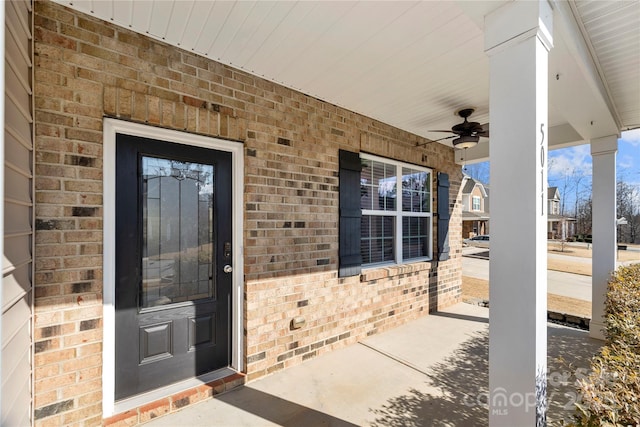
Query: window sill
x=383 y=272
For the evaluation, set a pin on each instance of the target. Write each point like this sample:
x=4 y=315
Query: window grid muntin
x=415 y=235
x=381 y=243
x=416 y=190
x=382 y=196
x=475 y=203
x=399 y=214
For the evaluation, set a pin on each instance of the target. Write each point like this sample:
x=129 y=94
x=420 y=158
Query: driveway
x=559 y=283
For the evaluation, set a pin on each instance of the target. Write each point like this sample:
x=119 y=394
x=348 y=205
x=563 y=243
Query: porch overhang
x=408 y=64
x=413 y=65
x=556 y=218
x=472 y=216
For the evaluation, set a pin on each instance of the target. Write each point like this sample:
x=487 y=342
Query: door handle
x=227 y=268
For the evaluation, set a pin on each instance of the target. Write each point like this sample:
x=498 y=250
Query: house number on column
x=542 y=169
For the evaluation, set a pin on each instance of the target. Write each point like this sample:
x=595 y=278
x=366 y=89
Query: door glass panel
x=177 y=231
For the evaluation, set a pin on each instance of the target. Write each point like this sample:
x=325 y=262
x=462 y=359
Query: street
x=559 y=283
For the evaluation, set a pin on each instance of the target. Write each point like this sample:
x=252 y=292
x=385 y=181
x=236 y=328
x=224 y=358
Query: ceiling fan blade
x=435 y=140
x=464 y=129
x=485 y=130
x=448 y=137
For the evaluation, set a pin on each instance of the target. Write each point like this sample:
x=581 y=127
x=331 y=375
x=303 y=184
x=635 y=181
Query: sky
x=576 y=161
x=568 y=166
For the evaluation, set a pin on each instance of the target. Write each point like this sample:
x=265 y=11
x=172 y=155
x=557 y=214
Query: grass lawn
x=474 y=289
x=569 y=266
x=586 y=253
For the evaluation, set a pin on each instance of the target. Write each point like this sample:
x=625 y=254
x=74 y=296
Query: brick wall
x=87 y=69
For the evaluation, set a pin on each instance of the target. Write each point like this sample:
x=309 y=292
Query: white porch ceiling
x=612 y=31
x=408 y=64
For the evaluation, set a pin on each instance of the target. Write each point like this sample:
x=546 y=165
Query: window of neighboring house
x=396 y=226
x=476 y=203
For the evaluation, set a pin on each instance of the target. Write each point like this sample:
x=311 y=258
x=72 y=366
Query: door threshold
x=141 y=399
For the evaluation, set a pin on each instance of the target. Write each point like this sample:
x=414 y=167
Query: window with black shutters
x=395 y=204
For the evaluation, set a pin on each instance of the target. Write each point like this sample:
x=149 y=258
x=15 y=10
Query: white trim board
x=112 y=127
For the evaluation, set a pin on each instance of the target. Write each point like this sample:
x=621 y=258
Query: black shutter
x=350 y=259
x=443 y=216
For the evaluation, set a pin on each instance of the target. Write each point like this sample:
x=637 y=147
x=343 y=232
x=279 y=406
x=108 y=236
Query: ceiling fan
x=467 y=134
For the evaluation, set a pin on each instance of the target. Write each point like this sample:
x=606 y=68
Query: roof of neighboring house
x=474 y=216
x=470 y=184
x=552 y=193
x=552 y=217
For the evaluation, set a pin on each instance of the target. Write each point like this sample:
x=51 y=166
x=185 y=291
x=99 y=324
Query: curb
x=476 y=301
x=569 y=320
x=565 y=319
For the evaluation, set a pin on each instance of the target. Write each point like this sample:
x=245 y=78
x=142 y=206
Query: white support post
x=518 y=39
x=603 y=152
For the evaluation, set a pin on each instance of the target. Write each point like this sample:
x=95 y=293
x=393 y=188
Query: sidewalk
x=558 y=283
x=432 y=371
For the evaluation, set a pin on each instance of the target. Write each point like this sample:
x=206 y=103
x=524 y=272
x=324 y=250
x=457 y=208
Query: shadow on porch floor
x=432 y=371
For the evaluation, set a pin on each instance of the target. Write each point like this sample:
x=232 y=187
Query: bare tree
x=584 y=216
x=628 y=206
x=574 y=182
x=478 y=171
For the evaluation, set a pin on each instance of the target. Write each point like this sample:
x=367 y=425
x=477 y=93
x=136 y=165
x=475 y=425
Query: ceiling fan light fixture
x=466 y=141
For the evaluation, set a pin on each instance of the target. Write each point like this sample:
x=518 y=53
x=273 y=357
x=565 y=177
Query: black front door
x=173 y=241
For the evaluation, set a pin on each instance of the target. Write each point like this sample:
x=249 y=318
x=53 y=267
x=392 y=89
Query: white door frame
x=112 y=127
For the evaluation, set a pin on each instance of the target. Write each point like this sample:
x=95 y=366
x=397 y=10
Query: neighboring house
x=194 y=220
x=558 y=226
x=476 y=214
x=475 y=208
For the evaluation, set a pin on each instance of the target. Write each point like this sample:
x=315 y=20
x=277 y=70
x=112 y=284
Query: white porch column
x=603 y=152
x=518 y=39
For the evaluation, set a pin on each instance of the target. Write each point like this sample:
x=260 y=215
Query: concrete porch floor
x=430 y=372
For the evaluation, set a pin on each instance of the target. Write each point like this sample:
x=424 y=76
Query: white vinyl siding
x=17 y=287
